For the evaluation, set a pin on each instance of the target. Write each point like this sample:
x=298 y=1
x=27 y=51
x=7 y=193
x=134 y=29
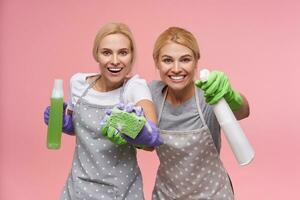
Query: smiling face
x=115 y=58
x=177 y=66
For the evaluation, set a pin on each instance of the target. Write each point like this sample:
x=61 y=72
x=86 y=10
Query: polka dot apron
x=190 y=166
x=101 y=169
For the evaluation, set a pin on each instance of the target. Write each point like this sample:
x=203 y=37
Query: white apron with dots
x=101 y=169
x=190 y=166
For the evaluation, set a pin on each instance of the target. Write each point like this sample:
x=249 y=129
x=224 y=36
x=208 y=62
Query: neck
x=103 y=85
x=177 y=97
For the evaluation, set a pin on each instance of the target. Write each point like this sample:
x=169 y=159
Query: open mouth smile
x=177 y=78
x=114 y=69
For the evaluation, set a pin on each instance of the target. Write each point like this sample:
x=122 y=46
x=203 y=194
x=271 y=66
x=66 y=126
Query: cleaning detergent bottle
x=234 y=134
x=56 y=116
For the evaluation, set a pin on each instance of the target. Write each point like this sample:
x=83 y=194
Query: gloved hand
x=148 y=136
x=109 y=132
x=218 y=86
x=67 y=124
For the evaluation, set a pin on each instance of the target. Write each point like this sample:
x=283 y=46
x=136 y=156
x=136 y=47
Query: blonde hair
x=179 y=36
x=114 y=28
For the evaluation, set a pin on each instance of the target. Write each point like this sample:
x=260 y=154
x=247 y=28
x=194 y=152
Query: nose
x=176 y=68
x=115 y=60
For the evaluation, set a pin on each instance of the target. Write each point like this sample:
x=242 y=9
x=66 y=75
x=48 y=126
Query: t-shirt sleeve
x=71 y=95
x=136 y=90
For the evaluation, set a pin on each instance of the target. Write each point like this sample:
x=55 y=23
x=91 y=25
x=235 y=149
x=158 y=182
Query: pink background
x=256 y=43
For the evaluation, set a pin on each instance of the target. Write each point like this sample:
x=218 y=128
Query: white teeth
x=114 y=69
x=177 y=77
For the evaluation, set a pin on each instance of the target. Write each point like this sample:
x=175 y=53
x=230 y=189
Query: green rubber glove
x=218 y=86
x=113 y=135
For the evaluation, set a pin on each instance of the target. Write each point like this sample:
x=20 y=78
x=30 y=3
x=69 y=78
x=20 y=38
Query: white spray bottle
x=234 y=134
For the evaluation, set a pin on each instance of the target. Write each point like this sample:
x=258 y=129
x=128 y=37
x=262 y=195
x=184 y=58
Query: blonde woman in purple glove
x=102 y=169
x=190 y=165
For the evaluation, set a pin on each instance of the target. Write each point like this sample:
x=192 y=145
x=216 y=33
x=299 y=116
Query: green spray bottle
x=56 y=116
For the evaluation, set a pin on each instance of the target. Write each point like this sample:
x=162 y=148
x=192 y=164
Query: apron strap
x=198 y=107
x=162 y=107
x=89 y=87
x=197 y=104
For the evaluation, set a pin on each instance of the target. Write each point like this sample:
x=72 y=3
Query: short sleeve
x=71 y=95
x=136 y=90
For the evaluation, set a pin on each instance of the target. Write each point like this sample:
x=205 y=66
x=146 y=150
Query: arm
x=244 y=111
x=149 y=111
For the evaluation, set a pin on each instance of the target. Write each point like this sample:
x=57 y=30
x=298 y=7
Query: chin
x=117 y=79
x=179 y=86
x=176 y=86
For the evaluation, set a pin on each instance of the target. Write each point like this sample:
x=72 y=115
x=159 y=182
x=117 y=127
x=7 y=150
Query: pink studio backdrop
x=256 y=43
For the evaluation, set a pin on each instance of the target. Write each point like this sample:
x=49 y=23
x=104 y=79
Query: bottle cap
x=57 y=91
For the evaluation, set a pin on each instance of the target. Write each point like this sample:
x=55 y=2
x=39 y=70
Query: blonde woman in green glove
x=190 y=165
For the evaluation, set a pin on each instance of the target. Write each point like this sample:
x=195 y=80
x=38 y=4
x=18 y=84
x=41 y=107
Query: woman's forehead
x=115 y=41
x=175 y=50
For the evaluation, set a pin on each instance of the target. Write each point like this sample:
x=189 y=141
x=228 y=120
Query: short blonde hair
x=114 y=28
x=179 y=36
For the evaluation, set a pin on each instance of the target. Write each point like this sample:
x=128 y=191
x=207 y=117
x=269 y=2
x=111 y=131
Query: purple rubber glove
x=148 y=136
x=67 y=125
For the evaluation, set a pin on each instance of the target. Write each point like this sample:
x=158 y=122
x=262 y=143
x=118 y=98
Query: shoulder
x=136 y=83
x=136 y=80
x=136 y=89
x=156 y=86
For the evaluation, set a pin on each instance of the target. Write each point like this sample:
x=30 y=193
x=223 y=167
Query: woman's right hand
x=67 y=120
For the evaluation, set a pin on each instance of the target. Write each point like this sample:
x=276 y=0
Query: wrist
x=68 y=124
x=234 y=100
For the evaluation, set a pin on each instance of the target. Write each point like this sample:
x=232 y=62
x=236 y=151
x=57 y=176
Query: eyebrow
x=107 y=49
x=124 y=49
x=185 y=55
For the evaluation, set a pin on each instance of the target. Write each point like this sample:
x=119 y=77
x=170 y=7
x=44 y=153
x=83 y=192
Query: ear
x=156 y=65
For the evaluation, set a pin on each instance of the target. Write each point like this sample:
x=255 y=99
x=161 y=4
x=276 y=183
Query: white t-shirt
x=135 y=90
